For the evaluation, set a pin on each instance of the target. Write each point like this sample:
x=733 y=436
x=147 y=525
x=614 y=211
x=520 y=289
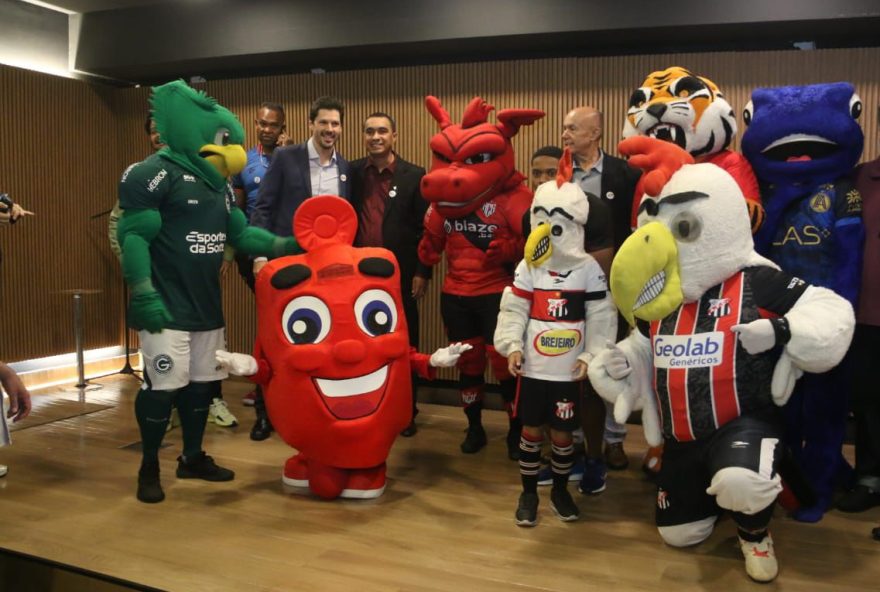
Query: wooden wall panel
x=103 y=133
x=59 y=159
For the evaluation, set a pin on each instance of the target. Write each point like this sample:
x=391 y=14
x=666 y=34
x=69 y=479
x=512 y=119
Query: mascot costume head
x=675 y=105
x=473 y=161
x=200 y=135
x=332 y=328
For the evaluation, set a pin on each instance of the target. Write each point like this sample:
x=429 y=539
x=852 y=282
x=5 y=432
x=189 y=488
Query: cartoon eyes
x=221 y=137
x=686 y=227
x=639 y=97
x=375 y=312
x=686 y=86
x=479 y=158
x=747 y=113
x=556 y=230
x=305 y=320
x=855 y=106
x=440 y=157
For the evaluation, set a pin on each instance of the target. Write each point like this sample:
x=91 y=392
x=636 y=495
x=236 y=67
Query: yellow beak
x=538 y=246
x=645 y=280
x=228 y=160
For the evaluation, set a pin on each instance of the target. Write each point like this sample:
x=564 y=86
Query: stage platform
x=69 y=519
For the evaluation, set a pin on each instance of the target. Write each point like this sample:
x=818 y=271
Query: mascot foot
x=365 y=483
x=760 y=559
x=149 y=488
x=325 y=481
x=296 y=472
x=812 y=514
x=474 y=440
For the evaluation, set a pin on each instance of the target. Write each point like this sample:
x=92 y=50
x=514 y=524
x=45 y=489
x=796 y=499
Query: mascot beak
x=228 y=160
x=645 y=279
x=538 y=246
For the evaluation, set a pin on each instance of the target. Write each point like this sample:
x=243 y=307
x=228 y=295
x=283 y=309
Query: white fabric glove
x=447 y=357
x=785 y=375
x=237 y=364
x=616 y=364
x=757 y=336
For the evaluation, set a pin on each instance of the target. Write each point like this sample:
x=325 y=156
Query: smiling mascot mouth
x=351 y=398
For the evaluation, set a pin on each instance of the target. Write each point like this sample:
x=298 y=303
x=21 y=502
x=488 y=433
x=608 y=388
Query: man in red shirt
x=390 y=209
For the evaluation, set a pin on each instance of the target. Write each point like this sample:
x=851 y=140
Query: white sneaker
x=219 y=413
x=760 y=559
x=3 y=470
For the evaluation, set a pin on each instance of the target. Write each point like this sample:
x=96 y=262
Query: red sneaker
x=365 y=483
x=249 y=399
x=296 y=472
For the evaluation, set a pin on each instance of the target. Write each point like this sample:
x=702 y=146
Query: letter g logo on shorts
x=163 y=363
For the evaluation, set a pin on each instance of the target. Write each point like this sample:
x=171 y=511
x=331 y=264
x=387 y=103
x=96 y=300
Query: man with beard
x=302 y=171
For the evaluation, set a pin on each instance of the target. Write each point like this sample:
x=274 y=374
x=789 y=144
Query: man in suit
x=614 y=182
x=386 y=196
x=302 y=171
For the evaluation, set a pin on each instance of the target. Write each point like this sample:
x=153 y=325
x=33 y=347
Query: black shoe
x=410 y=430
x=149 y=488
x=563 y=505
x=262 y=429
x=859 y=499
x=527 y=509
x=202 y=467
x=514 y=433
x=474 y=440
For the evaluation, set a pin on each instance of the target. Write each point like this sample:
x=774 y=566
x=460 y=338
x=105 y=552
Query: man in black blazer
x=386 y=196
x=302 y=171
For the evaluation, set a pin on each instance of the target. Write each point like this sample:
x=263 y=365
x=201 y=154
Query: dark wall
x=226 y=38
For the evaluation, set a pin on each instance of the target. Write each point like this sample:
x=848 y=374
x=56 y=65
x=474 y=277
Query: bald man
x=614 y=182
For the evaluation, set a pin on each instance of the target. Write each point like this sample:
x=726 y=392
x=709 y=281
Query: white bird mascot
x=722 y=336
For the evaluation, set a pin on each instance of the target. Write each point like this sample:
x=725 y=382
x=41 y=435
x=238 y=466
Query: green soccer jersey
x=187 y=253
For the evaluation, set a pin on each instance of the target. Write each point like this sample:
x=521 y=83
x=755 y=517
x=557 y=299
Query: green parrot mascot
x=178 y=215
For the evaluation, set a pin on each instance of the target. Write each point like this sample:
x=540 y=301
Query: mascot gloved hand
x=701 y=300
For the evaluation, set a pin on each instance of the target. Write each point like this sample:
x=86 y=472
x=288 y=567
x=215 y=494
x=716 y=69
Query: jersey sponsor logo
x=189 y=178
x=469 y=397
x=126 y=171
x=556 y=342
x=701 y=350
x=662 y=499
x=488 y=209
x=163 y=364
x=151 y=186
x=794 y=283
x=718 y=307
x=192 y=202
x=202 y=243
x=447 y=226
x=481 y=229
x=564 y=409
x=808 y=235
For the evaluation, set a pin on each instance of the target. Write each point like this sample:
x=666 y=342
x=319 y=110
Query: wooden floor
x=445 y=522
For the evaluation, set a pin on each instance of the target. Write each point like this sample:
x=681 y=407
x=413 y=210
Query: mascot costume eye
x=678 y=106
x=478 y=201
x=721 y=337
x=333 y=354
x=803 y=142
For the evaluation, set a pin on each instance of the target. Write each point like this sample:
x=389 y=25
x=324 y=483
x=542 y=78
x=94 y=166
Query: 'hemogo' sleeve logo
x=702 y=350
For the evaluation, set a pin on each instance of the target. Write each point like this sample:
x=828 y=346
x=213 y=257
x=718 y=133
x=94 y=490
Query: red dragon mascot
x=477 y=205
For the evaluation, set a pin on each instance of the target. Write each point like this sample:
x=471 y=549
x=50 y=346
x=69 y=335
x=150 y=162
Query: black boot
x=475 y=439
x=514 y=431
x=263 y=427
x=149 y=488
